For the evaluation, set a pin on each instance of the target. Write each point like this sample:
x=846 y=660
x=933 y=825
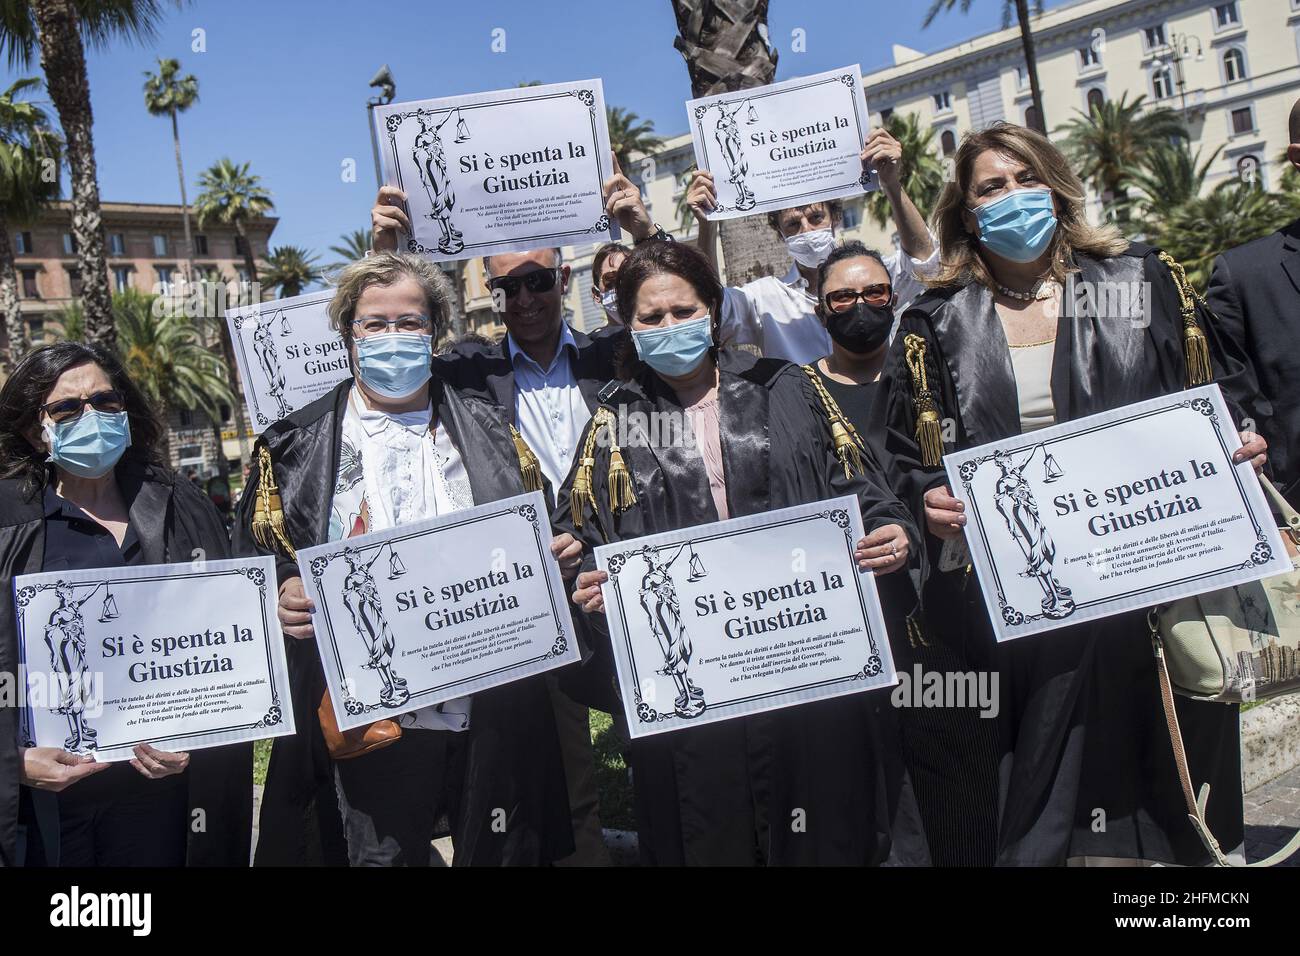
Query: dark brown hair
x=598 y=260
x=26 y=390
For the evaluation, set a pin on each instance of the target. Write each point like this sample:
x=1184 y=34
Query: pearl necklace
x=1043 y=289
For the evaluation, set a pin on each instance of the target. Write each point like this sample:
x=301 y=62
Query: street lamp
x=383 y=81
x=1180 y=47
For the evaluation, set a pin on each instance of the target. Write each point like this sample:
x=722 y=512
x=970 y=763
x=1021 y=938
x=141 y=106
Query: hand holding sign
x=623 y=202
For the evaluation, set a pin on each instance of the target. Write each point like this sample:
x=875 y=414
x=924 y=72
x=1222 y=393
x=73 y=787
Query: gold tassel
x=1199 y=370
x=583 y=496
x=268 y=515
x=915 y=635
x=621 y=493
x=844 y=437
x=929 y=430
x=530 y=469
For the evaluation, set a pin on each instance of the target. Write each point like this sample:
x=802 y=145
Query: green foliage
x=629 y=134
x=28 y=145
x=1170 y=176
x=101 y=22
x=289 y=269
x=230 y=194
x=922 y=168
x=166 y=91
x=351 y=247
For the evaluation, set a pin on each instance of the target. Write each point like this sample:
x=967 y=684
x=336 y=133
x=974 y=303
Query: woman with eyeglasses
x=762 y=437
x=1019 y=333
x=391 y=445
x=82 y=485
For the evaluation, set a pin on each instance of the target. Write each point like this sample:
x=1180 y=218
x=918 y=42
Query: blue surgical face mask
x=675 y=350
x=395 y=364
x=1019 y=225
x=90 y=445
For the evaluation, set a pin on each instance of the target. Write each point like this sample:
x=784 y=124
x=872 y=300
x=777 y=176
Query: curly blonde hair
x=385 y=268
x=959 y=249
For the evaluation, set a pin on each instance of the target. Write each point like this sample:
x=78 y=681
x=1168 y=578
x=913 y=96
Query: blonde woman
x=1080 y=769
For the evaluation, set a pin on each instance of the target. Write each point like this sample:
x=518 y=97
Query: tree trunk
x=459 y=321
x=185 y=206
x=64 y=61
x=1031 y=63
x=15 y=328
x=724 y=52
x=250 y=261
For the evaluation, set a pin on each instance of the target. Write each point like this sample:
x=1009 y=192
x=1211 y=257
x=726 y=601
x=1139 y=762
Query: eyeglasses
x=841 y=300
x=377 y=325
x=539 y=280
x=109 y=401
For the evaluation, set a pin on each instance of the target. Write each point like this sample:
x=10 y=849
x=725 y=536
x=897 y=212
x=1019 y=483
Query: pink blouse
x=704 y=421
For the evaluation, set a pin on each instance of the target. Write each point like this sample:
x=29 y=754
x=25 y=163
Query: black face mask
x=862 y=329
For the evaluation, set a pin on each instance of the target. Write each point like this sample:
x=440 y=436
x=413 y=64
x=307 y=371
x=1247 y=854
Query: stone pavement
x=1272 y=816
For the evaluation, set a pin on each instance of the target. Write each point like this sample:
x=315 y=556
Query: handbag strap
x=1196 y=804
x=1289 y=514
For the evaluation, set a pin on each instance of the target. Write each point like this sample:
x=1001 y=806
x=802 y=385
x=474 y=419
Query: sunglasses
x=109 y=402
x=539 y=280
x=841 y=300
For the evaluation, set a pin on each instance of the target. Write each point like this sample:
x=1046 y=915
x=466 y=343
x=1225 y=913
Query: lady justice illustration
x=659 y=599
x=268 y=359
x=65 y=635
x=727 y=133
x=1015 y=501
x=361 y=596
x=431 y=160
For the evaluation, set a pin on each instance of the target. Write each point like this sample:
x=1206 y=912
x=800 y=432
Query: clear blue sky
x=283 y=84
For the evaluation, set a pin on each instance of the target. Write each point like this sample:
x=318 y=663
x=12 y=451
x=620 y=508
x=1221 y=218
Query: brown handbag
x=346 y=744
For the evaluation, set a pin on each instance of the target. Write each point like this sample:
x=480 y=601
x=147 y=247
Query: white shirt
x=776 y=315
x=393 y=471
x=549 y=406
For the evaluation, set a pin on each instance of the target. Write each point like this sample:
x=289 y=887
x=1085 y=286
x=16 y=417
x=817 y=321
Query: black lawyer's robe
x=1082 y=732
x=724 y=793
x=512 y=756
x=173 y=518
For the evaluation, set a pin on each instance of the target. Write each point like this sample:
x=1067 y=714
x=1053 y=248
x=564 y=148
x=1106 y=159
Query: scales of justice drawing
x=65 y=637
x=658 y=596
x=727 y=133
x=1014 y=499
x=431 y=161
x=361 y=598
x=268 y=357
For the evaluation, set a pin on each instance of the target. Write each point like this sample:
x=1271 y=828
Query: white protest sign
x=1127 y=509
x=496 y=172
x=736 y=617
x=786 y=144
x=438 y=609
x=179 y=656
x=288 y=355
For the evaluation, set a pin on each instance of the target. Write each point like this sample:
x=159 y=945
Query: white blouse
x=1032 y=365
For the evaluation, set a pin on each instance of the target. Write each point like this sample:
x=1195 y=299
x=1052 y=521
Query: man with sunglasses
x=776 y=315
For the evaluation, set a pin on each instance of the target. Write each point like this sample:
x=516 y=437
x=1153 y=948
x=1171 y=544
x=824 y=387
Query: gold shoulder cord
x=530 y=469
x=268 y=516
x=1199 y=370
x=848 y=443
x=622 y=495
x=929 y=435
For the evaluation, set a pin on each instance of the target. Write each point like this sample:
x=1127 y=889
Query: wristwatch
x=658 y=235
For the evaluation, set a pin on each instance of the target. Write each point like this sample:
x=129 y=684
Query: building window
x=23 y=243
x=942 y=101
x=1162 y=82
x=30 y=290
x=885 y=114
x=74 y=282
x=241 y=247
x=1248 y=171
x=1153 y=37
x=121 y=278
x=1096 y=99
x=1225 y=16
x=36 y=330
x=948 y=142
x=1088 y=57
x=200 y=245
x=851 y=216
x=116 y=244
x=165 y=276
x=69 y=244
x=1022 y=78
x=160 y=245
x=1031 y=118
x=1234 y=65
x=1243 y=121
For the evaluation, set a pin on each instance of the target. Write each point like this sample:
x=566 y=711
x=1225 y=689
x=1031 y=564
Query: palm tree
x=60 y=28
x=168 y=94
x=922 y=170
x=351 y=247
x=231 y=195
x=1170 y=176
x=1023 y=13
x=289 y=268
x=724 y=43
x=165 y=356
x=1113 y=140
x=29 y=149
x=629 y=134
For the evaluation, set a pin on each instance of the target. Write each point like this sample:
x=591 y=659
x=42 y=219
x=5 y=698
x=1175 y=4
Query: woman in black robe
x=724 y=793
x=58 y=808
x=1082 y=770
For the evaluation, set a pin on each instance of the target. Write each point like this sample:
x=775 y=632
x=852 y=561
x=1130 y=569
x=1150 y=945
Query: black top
x=854 y=400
